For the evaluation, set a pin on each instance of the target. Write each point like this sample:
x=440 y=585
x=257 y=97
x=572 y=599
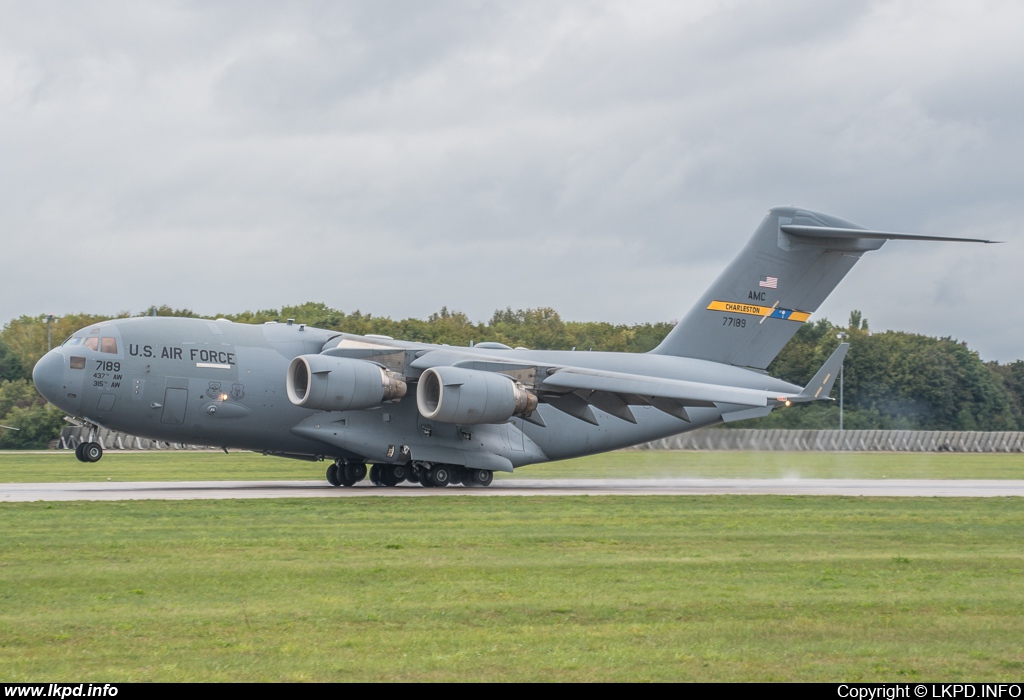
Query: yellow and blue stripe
x=736 y=307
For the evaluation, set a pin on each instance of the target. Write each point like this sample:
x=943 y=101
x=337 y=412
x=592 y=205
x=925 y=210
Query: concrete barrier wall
x=70 y=438
x=843 y=440
x=758 y=440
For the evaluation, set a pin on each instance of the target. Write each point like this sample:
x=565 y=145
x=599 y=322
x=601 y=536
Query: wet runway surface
x=191 y=490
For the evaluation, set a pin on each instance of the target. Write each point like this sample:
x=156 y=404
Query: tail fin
x=791 y=264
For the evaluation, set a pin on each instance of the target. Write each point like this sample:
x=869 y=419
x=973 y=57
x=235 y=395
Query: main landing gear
x=441 y=475
x=89 y=451
x=479 y=477
x=343 y=473
x=389 y=474
x=426 y=474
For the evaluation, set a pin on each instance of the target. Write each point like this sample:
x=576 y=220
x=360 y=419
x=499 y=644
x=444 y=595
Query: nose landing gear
x=89 y=451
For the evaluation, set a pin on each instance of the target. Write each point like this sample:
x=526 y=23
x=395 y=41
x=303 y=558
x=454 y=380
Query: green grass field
x=599 y=588
x=210 y=465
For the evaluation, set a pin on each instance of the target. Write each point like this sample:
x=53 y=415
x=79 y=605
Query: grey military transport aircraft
x=439 y=415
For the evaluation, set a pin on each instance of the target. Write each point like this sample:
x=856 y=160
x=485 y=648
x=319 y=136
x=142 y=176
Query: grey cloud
x=606 y=159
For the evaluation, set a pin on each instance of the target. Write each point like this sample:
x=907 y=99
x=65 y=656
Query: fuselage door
x=175 y=403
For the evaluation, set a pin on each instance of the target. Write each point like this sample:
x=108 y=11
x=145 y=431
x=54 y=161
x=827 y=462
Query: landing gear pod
x=339 y=384
x=470 y=397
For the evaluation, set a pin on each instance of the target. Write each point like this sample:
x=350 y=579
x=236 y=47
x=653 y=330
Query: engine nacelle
x=470 y=397
x=339 y=384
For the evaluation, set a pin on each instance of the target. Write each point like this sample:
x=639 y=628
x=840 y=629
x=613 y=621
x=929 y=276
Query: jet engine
x=470 y=397
x=340 y=384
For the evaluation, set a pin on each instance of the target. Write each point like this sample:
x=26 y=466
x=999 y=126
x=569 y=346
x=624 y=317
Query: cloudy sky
x=603 y=158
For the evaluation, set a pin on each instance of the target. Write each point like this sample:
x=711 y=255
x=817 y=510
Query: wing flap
x=685 y=392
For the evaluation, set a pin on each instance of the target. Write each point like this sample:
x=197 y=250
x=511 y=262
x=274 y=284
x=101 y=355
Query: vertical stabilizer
x=758 y=303
x=791 y=264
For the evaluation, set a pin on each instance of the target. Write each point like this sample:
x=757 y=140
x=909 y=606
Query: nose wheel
x=89 y=452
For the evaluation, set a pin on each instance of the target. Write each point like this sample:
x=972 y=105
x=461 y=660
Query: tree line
x=893 y=380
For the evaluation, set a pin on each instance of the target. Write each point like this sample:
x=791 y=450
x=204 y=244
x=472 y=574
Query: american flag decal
x=769 y=282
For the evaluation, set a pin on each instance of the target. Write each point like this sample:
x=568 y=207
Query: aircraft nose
x=48 y=376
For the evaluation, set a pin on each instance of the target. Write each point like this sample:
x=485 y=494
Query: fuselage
x=222 y=384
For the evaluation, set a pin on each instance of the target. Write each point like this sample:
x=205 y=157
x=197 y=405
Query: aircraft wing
x=574 y=390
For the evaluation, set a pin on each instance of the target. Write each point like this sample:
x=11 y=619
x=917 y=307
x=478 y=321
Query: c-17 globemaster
x=439 y=415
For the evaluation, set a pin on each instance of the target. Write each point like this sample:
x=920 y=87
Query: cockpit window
x=92 y=343
x=108 y=345
x=72 y=341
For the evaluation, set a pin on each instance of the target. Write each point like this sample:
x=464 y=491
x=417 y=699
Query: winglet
x=822 y=382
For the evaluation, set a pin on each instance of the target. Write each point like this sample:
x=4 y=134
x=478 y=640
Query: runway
x=209 y=490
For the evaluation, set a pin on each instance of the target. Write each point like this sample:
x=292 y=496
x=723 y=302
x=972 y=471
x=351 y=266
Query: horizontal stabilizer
x=830 y=232
x=820 y=386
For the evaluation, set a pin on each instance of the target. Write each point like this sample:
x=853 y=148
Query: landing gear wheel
x=332 y=475
x=351 y=473
x=423 y=470
x=78 y=452
x=419 y=473
x=393 y=474
x=440 y=475
x=479 y=477
x=375 y=475
x=92 y=451
x=458 y=475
